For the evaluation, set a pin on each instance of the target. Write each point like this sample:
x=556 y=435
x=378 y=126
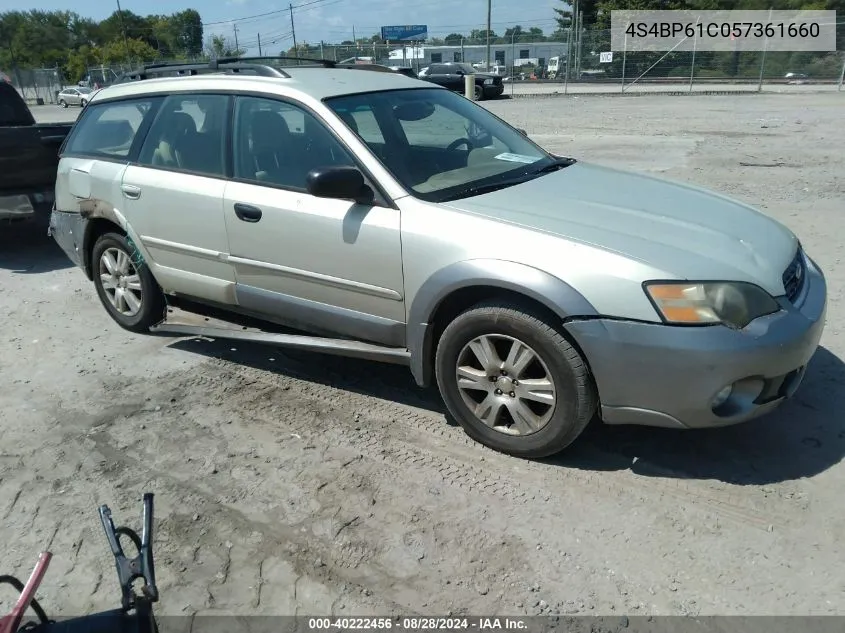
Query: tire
x=83 y=103
x=150 y=307
x=479 y=93
x=63 y=103
x=553 y=427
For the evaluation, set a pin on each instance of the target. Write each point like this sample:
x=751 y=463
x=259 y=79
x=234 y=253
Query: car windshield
x=440 y=145
x=467 y=68
x=84 y=91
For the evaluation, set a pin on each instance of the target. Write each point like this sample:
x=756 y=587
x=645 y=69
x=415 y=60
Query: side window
x=189 y=134
x=442 y=127
x=278 y=143
x=108 y=129
x=363 y=122
x=436 y=58
x=445 y=126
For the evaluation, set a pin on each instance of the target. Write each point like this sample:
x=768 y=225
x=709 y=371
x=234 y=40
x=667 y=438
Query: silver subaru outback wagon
x=390 y=218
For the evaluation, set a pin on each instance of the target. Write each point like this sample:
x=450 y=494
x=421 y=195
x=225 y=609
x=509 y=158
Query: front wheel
x=83 y=103
x=513 y=381
x=63 y=103
x=479 y=93
x=125 y=285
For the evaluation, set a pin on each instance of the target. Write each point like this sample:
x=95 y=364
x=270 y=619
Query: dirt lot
x=290 y=483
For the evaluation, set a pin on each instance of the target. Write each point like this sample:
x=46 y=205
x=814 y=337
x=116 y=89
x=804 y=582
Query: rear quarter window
x=107 y=130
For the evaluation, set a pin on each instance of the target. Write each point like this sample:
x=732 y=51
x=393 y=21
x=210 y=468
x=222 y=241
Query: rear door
x=173 y=196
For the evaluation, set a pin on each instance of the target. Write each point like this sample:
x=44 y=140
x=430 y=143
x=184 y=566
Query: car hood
x=685 y=231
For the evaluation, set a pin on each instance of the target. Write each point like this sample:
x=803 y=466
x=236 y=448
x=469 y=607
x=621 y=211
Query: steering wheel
x=458 y=142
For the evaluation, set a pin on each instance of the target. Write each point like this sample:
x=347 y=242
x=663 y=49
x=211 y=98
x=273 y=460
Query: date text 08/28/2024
x=416 y=624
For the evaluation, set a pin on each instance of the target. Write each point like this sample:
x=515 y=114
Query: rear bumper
x=68 y=229
x=659 y=375
x=494 y=91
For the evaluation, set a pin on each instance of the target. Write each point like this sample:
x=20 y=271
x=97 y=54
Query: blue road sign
x=404 y=33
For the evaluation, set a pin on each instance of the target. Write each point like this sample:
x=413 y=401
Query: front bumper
x=660 y=375
x=68 y=229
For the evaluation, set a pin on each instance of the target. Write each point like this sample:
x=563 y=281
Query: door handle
x=247 y=212
x=131 y=191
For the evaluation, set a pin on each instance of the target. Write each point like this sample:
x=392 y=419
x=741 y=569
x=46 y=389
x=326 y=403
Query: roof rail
x=261 y=66
x=229 y=65
x=327 y=63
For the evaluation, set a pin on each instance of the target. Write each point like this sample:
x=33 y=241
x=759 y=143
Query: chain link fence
x=37 y=85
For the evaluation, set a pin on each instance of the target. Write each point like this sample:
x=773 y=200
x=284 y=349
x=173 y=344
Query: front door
x=319 y=264
x=173 y=197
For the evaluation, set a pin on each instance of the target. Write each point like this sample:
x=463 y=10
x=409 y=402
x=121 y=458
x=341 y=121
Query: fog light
x=720 y=398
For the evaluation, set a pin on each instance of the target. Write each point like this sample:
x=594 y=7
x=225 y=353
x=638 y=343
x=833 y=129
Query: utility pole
x=293 y=32
x=571 y=45
x=489 y=13
x=237 y=48
x=259 y=45
x=355 y=45
x=123 y=28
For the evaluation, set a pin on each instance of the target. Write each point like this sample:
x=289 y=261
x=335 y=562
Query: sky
x=329 y=20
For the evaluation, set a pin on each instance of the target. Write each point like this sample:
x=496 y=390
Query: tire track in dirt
x=396 y=433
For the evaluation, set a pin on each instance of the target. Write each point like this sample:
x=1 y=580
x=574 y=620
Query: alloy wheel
x=505 y=384
x=121 y=281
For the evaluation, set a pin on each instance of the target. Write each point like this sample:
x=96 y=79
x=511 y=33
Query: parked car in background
x=29 y=156
x=404 y=70
x=75 y=97
x=398 y=221
x=451 y=75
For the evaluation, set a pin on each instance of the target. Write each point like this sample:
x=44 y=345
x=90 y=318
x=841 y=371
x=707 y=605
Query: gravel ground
x=290 y=483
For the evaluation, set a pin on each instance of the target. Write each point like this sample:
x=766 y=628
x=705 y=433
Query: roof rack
x=261 y=66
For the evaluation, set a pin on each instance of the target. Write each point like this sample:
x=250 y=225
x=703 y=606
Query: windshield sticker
x=517 y=158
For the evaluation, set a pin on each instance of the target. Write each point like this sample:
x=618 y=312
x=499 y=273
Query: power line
x=267 y=13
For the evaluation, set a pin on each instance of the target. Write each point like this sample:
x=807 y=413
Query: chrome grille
x=793 y=277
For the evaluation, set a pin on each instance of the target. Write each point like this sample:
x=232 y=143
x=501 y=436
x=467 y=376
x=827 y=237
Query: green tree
x=221 y=46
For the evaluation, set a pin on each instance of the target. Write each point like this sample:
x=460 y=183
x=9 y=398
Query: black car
x=451 y=75
x=29 y=157
x=404 y=70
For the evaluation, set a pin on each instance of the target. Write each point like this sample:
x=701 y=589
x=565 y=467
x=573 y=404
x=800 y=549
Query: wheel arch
x=95 y=227
x=455 y=288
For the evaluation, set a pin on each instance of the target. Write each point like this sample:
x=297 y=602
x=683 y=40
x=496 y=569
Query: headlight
x=735 y=304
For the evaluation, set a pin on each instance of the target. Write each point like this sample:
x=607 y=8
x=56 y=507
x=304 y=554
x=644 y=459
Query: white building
x=500 y=54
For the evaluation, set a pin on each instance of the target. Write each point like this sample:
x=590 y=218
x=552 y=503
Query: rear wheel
x=125 y=285
x=513 y=381
x=479 y=93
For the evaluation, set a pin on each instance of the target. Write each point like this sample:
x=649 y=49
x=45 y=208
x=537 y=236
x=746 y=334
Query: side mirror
x=521 y=131
x=341 y=183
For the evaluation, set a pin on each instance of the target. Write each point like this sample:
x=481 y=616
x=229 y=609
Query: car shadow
x=803 y=438
x=389 y=382
x=26 y=249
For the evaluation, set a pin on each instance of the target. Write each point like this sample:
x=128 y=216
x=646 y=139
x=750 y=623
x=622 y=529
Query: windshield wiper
x=559 y=163
x=477 y=191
